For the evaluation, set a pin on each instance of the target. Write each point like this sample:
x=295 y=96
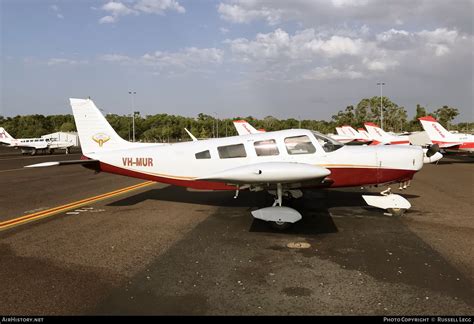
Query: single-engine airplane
x=281 y=162
x=462 y=143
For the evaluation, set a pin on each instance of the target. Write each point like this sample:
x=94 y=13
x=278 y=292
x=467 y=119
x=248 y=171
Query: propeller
x=432 y=150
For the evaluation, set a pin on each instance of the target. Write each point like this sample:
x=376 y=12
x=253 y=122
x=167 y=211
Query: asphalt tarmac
x=160 y=250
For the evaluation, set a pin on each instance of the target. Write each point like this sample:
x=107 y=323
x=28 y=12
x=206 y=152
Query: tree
x=445 y=115
x=67 y=127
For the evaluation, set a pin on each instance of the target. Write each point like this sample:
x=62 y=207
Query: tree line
x=170 y=128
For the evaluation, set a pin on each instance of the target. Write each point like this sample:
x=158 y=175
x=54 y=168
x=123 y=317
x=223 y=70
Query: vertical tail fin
x=377 y=133
x=95 y=132
x=436 y=132
x=340 y=131
x=350 y=131
x=244 y=128
x=5 y=138
x=363 y=134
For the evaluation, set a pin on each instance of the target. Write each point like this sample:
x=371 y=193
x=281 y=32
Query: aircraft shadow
x=314 y=206
x=457 y=160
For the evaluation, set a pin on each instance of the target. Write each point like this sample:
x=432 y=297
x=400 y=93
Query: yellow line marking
x=56 y=210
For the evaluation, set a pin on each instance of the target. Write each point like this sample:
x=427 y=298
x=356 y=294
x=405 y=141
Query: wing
x=448 y=145
x=270 y=172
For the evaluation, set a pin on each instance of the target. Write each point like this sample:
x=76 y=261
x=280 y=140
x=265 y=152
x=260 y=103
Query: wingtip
x=42 y=165
x=370 y=124
x=428 y=118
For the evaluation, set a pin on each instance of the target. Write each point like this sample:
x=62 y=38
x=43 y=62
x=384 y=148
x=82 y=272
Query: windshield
x=328 y=144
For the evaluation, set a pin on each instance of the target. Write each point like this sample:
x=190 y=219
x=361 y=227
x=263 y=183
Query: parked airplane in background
x=33 y=145
x=363 y=133
x=341 y=136
x=379 y=136
x=445 y=139
x=281 y=162
x=244 y=128
x=355 y=134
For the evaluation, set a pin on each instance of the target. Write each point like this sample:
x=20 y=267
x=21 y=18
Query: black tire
x=397 y=211
x=280 y=226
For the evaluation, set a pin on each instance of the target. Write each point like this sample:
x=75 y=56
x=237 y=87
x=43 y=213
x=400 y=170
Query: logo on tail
x=100 y=138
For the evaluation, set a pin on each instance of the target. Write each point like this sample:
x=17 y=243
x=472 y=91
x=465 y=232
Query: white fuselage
x=184 y=163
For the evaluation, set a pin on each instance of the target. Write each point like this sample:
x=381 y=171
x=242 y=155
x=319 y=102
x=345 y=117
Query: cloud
x=190 y=59
x=57 y=10
x=240 y=14
x=117 y=9
x=329 y=72
x=115 y=58
x=224 y=30
x=305 y=44
x=349 y=3
x=65 y=61
x=324 y=13
x=285 y=56
x=158 y=6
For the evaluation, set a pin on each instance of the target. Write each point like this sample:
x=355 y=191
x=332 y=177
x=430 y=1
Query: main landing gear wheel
x=278 y=217
x=280 y=226
x=397 y=211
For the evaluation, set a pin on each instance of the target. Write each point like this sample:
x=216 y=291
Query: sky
x=305 y=59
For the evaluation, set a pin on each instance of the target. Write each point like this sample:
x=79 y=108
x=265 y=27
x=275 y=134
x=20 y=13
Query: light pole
x=381 y=84
x=217 y=126
x=133 y=93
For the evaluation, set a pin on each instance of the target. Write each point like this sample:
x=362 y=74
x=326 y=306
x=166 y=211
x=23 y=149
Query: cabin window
x=232 y=151
x=266 y=148
x=299 y=145
x=203 y=155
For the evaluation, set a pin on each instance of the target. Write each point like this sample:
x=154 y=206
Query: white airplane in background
x=363 y=133
x=341 y=136
x=33 y=145
x=445 y=139
x=356 y=135
x=379 y=136
x=281 y=162
x=244 y=128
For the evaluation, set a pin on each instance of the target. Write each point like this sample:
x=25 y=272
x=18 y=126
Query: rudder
x=95 y=132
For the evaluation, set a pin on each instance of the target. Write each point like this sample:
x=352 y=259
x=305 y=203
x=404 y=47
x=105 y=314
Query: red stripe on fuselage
x=399 y=142
x=204 y=185
x=354 y=177
x=341 y=177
